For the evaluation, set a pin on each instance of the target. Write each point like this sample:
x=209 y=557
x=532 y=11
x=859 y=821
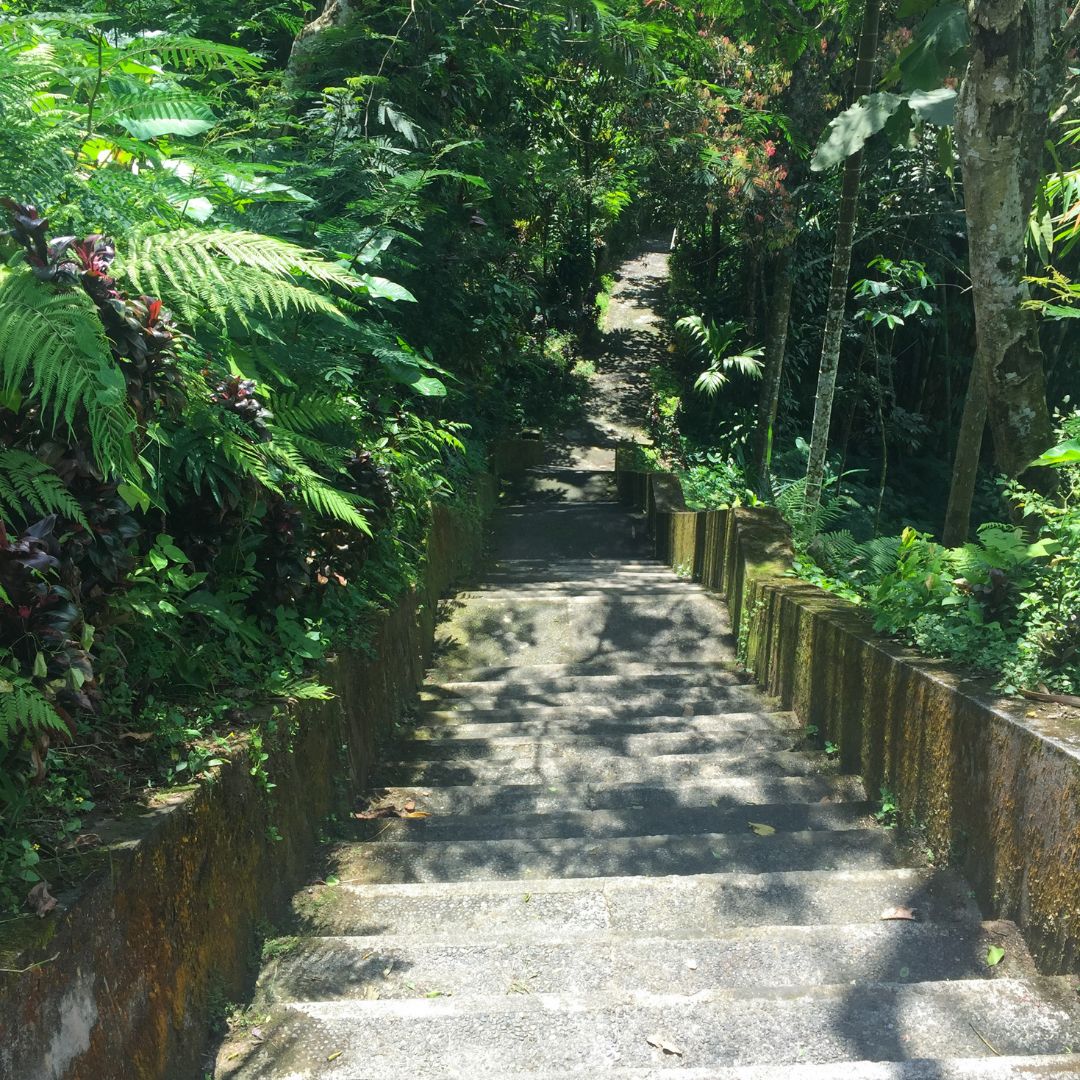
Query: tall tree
x=838 y=286
x=1014 y=71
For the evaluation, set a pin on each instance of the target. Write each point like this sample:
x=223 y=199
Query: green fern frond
x=24 y=709
x=54 y=343
x=237 y=274
x=312 y=412
x=27 y=482
x=188 y=52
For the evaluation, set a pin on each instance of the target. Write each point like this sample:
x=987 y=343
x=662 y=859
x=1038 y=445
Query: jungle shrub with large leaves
x=212 y=466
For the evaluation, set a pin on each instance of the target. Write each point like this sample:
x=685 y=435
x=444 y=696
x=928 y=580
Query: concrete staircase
x=631 y=866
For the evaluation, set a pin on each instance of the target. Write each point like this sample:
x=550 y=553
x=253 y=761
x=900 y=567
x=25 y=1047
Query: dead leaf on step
x=761 y=830
x=334 y=1056
x=663 y=1045
x=899 y=913
x=408 y=810
x=40 y=899
x=256 y=1034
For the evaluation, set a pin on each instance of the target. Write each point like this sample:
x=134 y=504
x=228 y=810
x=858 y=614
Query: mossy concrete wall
x=123 y=981
x=993 y=782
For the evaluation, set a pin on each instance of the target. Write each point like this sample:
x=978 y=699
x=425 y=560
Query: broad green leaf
x=849 y=131
x=150 y=118
x=994 y=955
x=937 y=49
x=412 y=376
x=1059 y=311
x=383 y=289
x=1065 y=453
x=936 y=107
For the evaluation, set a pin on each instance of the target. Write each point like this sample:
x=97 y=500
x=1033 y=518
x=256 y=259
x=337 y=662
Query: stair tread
x=658 y=855
x=686 y=905
x=644 y=821
x=589 y=879
x=563 y=796
x=409 y=966
x=513 y=1033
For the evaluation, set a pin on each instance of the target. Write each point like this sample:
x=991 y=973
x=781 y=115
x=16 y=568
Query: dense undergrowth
x=256 y=314
x=1006 y=604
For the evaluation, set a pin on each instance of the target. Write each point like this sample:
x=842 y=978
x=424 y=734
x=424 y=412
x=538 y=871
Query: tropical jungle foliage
x=272 y=277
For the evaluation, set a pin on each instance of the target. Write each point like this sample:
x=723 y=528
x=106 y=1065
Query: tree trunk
x=838 y=287
x=775 y=346
x=966 y=463
x=1001 y=127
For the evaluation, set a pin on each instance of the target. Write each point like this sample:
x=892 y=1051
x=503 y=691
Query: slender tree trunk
x=775 y=347
x=838 y=287
x=1001 y=127
x=966 y=463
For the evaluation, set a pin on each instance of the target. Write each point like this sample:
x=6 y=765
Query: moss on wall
x=122 y=982
x=995 y=786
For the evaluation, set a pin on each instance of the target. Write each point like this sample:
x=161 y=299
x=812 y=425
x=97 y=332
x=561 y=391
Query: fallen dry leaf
x=761 y=830
x=40 y=899
x=334 y=1056
x=137 y=736
x=256 y=1034
x=663 y=1045
x=409 y=805
x=896 y=913
x=415 y=814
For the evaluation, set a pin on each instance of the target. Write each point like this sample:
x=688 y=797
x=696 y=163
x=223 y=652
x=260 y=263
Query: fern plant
x=53 y=346
x=29 y=487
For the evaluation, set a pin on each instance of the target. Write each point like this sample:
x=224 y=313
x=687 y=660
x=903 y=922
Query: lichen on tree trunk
x=1002 y=120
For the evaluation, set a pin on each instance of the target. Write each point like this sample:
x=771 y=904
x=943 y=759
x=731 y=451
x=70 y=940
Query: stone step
x=582 y=1034
x=653 y=821
x=410 y=966
x=730 y=792
x=504 y=565
x=580 y=592
x=647 y=856
x=663 y=700
x=627 y=669
x=638 y=745
x=705 y=905
x=592 y=766
x=537 y=680
x=569 y=530
x=569 y=723
x=1046 y=1067
x=486 y=631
